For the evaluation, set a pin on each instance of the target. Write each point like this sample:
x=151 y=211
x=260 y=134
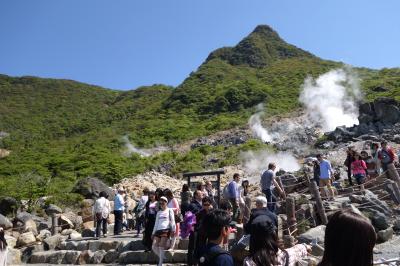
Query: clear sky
x=128 y=43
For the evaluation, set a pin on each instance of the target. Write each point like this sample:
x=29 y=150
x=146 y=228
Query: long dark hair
x=263 y=242
x=3 y=242
x=349 y=240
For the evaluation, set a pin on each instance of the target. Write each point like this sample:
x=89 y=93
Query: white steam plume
x=132 y=149
x=330 y=100
x=255 y=162
x=255 y=125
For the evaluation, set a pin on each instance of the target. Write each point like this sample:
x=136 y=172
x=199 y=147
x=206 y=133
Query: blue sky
x=128 y=43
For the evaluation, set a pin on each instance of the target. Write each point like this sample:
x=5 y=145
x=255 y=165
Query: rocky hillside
x=56 y=132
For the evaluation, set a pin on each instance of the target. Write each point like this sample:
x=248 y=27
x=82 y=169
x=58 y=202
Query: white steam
x=330 y=100
x=255 y=125
x=255 y=162
x=129 y=149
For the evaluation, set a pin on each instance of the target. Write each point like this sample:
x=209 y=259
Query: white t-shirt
x=164 y=220
x=102 y=205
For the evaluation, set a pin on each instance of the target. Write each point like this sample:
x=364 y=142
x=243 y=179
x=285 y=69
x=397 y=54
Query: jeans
x=118 y=222
x=235 y=210
x=99 y=224
x=271 y=198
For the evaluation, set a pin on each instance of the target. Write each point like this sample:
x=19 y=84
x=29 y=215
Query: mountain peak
x=259 y=49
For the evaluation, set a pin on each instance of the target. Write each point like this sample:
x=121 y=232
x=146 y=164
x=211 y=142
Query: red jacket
x=389 y=150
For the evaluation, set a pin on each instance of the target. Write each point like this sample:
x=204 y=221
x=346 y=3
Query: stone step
x=101 y=256
x=109 y=244
x=134 y=257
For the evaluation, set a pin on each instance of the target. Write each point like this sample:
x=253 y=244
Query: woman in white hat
x=164 y=229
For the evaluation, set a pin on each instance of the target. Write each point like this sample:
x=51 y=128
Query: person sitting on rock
x=387 y=156
x=359 y=170
x=264 y=247
x=349 y=240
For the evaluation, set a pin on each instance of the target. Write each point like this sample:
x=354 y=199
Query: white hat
x=164 y=198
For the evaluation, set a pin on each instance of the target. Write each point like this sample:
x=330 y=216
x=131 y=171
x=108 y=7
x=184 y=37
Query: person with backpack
x=140 y=210
x=387 y=156
x=102 y=210
x=217 y=223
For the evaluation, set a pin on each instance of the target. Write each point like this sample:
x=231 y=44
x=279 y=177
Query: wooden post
x=281 y=184
x=219 y=189
x=54 y=224
x=291 y=213
x=320 y=207
x=393 y=190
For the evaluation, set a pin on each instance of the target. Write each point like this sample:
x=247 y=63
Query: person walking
x=150 y=214
x=326 y=173
x=387 y=156
x=173 y=204
x=102 y=209
x=359 y=170
x=119 y=207
x=164 y=228
x=268 y=184
x=3 y=248
x=234 y=196
x=316 y=170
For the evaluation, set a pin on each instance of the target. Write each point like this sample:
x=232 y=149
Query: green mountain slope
x=61 y=130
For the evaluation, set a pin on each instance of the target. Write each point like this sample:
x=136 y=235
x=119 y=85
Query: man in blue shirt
x=234 y=195
x=217 y=233
x=326 y=173
x=119 y=207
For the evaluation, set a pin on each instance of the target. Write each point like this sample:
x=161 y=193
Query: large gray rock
x=28 y=251
x=43 y=234
x=74 y=218
x=64 y=222
x=26 y=239
x=111 y=256
x=8 y=205
x=314 y=233
x=98 y=256
x=91 y=187
x=379 y=220
x=53 y=209
x=386 y=110
x=52 y=242
x=11 y=241
x=86 y=257
x=385 y=235
x=30 y=226
x=52 y=257
x=71 y=257
x=4 y=222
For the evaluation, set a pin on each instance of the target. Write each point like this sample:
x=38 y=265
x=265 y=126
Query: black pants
x=118 y=222
x=235 y=210
x=349 y=176
x=99 y=224
x=271 y=199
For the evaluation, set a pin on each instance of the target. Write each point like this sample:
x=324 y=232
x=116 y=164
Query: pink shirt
x=358 y=167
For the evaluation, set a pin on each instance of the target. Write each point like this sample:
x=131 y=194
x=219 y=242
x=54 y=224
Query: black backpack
x=210 y=255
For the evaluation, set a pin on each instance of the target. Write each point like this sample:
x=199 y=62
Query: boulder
x=11 y=241
x=53 y=209
x=98 y=256
x=30 y=226
x=111 y=256
x=64 y=222
x=8 y=205
x=43 y=225
x=28 y=251
x=396 y=225
x=26 y=239
x=85 y=257
x=88 y=225
x=23 y=216
x=14 y=257
x=385 y=235
x=314 y=233
x=71 y=257
x=74 y=218
x=386 y=110
x=379 y=220
x=43 y=234
x=75 y=236
x=91 y=187
x=5 y=223
x=52 y=242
